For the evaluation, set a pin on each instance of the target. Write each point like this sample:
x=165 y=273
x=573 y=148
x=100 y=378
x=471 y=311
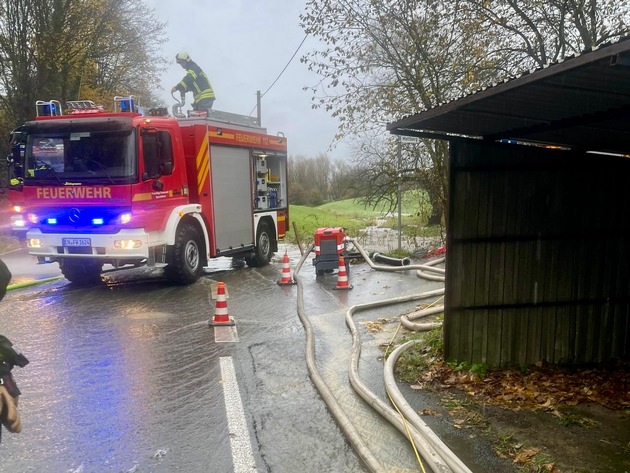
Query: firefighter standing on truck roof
x=195 y=81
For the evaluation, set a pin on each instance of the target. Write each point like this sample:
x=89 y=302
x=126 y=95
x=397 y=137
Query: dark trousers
x=203 y=104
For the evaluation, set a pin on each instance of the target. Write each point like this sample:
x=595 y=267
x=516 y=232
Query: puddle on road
x=147 y=315
x=225 y=334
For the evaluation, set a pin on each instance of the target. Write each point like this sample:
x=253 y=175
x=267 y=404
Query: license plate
x=76 y=242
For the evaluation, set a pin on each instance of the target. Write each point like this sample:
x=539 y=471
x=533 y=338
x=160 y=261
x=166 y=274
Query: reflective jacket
x=196 y=81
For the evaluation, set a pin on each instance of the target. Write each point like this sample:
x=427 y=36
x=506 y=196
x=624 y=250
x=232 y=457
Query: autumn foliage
x=540 y=387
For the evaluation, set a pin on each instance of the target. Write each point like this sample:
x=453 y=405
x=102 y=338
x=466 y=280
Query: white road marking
x=240 y=443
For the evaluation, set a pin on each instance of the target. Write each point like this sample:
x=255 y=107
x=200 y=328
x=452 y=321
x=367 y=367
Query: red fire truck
x=125 y=188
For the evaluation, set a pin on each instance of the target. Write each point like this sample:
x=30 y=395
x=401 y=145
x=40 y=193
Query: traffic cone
x=221 y=316
x=342 y=276
x=287 y=279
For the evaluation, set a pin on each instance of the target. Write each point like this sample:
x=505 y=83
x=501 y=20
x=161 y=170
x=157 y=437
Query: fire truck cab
x=124 y=188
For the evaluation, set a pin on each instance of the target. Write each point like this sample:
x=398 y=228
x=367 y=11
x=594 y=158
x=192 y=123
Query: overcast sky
x=243 y=45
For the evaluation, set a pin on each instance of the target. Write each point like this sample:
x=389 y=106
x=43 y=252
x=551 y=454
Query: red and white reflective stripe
x=340 y=248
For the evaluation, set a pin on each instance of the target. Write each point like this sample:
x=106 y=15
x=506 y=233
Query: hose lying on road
x=427 y=450
x=421 y=268
x=406 y=319
x=439 y=457
x=452 y=460
x=336 y=410
x=392 y=261
x=429 y=443
x=32 y=282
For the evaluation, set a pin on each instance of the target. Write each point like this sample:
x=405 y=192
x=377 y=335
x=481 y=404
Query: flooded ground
x=127 y=377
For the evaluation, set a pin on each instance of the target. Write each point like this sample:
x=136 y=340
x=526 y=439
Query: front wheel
x=81 y=272
x=185 y=258
x=264 y=248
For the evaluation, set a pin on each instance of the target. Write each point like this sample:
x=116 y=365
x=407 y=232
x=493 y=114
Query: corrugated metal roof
x=580 y=102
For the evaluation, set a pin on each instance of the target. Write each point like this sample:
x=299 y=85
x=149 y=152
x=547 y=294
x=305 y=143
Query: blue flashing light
x=51 y=221
x=127 y=105
x=98 y=221
x=50 y=108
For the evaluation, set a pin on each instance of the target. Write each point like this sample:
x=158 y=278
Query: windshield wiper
x=100 y=166
x=49 y=169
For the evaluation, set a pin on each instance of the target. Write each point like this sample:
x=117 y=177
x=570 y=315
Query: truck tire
x=185 y=256
x=263 y=251
x=81 y=272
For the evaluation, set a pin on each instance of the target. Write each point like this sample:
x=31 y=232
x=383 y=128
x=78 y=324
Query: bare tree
x=382 y=60
x=345 y=181
x=303 y=176
x=70 y=49
x=316 y=180
x=533 y=33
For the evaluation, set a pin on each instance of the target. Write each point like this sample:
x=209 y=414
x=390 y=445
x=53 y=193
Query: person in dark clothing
x=195 y=81
x=5 y=278
x=9 y=357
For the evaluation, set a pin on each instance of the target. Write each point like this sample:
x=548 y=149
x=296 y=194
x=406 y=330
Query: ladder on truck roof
x=228 y=118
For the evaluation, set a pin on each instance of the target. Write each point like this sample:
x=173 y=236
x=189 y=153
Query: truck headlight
x=34 y=243
x=127 y=244
x=17 y=221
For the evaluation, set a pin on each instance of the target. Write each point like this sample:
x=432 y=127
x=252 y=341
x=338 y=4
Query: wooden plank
x=494 y=339
x=479 y=335
x=530 y=273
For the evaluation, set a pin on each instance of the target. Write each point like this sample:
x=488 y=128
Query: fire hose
x=436 y=453
x=392 y=261
x=335 y=408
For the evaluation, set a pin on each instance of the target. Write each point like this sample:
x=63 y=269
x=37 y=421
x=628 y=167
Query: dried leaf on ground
x=541 y=388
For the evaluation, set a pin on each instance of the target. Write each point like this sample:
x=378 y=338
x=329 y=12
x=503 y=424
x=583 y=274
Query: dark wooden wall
x=538 y=265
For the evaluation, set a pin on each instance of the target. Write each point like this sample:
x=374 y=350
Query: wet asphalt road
x=128 y=376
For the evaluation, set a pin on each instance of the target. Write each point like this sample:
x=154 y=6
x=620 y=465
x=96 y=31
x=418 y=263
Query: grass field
x=354 y=217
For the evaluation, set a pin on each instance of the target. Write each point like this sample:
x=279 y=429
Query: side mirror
x=158 y=185
x=167 y=168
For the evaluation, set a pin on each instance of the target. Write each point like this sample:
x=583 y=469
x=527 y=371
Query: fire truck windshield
x=78 y=155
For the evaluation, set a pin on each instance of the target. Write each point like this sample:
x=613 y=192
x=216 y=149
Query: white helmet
x=182 y=56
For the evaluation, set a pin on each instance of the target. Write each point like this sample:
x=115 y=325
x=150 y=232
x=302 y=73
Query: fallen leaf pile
x=543 y=387
x=376 y=326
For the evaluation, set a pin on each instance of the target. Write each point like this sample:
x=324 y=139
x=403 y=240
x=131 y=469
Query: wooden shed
x=538 y=243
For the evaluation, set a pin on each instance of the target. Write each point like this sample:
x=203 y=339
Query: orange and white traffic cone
x=342 y=276
x=221 y=316
x=287 y=278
